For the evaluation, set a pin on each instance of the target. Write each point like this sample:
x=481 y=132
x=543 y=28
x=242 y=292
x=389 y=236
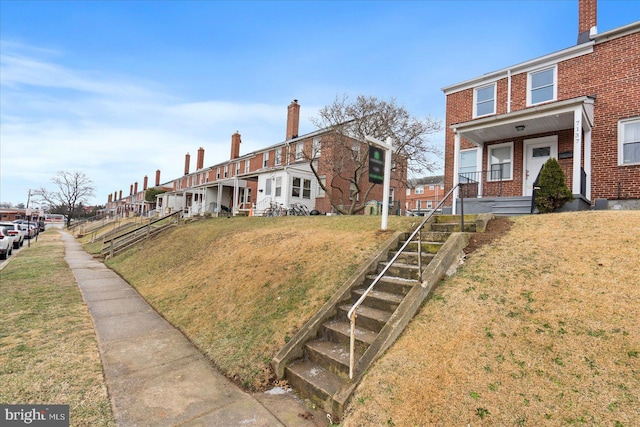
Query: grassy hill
x=542 y=326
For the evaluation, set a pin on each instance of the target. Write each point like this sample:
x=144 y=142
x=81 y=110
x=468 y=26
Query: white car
x=6 y=242
x=16 y=231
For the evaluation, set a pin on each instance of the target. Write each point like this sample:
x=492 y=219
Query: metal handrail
x=418 y=231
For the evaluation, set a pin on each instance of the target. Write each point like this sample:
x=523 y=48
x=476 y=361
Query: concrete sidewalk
x=154 y=375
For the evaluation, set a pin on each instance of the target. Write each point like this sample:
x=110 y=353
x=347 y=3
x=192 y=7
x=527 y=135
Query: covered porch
x=497 y=159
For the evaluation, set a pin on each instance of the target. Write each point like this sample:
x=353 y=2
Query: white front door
x=536 y=152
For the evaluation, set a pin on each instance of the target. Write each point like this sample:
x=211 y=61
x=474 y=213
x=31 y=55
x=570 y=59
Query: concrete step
x=386 y=301
x=408 y=257
x=340 y=332
x=469 y=227
x=430 y=247
x=332 y=356
x=394 y=285
x=366 y=317
x=453 y=218
x=429 y=236
x=313 y=381
x=405 y=271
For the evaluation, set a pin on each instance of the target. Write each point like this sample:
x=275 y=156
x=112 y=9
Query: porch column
x=219 y=198
x=587 y=161
x=577 y=149
x=456 y=168
x=235 y=195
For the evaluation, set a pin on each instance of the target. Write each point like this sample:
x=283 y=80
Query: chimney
x=135 y=188
x=587 y=20
x=110 y=198
x=235 y=145
x=157 y=177
x=115 y=196
x=131 y=189
x=187 y=160
x=145 y=183
x=200 y=161
x=293 y=119
x=120 y=198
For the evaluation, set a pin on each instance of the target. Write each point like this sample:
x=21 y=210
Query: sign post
x=374 y=169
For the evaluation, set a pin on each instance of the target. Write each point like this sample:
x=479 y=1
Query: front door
x=536 y=152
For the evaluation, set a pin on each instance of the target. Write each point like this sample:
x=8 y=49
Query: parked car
x=6 y=243
x=29 y=229
x=16 y=231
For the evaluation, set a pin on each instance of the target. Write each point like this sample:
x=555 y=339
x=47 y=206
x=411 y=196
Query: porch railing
x=417 y=232
x=481 y=183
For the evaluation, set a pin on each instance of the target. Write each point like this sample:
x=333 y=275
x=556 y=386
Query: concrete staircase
x=316 y=361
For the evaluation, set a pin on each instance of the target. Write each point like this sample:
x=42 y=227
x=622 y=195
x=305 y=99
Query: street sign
x=376 y=164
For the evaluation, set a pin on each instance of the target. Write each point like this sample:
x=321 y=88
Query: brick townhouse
x=580 y=105
x=278 y=175
x=424 y=194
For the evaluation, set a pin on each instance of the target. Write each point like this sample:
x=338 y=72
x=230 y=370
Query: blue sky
x=118 y=89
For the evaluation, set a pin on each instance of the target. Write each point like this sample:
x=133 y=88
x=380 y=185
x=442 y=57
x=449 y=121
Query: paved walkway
x=154 y=375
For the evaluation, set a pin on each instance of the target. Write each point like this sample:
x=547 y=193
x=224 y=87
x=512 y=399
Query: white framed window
x=306 y=189
x=542 y=85
x=247 y=166
x=265 y=159
x=500 y=162
x=279 y=186
x=218 y=174
x=629 y=141
x=296 y=187
x=237 y=168
x=468 y=165
x=323 y=180
x=429 y=204
x=226 y=171
x=431 y=188
x=355 y=148
x=353 y=191
x=317 y=146
x=392 y=194
x=484 y=100
x=420 y=189
x=278 y=158
x=299 y=150
x=408 y=191
x=267 y=187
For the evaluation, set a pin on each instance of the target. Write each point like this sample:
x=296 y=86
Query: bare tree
x=74 y=188
x=345 y=150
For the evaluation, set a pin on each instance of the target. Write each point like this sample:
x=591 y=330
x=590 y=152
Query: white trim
x=492 y=147
x=544 y=140
x=621 y=127
x=553 y=67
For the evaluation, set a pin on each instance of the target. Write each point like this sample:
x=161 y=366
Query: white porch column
x=577 y=149
x=456 y=170
x=587 y=161
x=219 y=199
x=235 y=195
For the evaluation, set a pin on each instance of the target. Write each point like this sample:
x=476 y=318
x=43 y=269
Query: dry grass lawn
x=48 y=348
x=239 y=288
x=540 y=328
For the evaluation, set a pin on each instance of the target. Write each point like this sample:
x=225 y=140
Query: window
x=629 y=142
x=468 y=165
x=353 y=190
x=295 y=187
x=278 y=158
x=541 y=86
x=306 y=188
x=267 y=187
x=246 y=166
x=431 y=187
x=408 y=191
x=299 y=152
x=226 y=171
x=317 y=145
x=218 y=174
x=265 y=159
x=237 y=168
x=484 y=100
x=500 y=163
x=355 y=148
x=321 y=192
x=420 y=189
x=279 y=186
x=418 y=204
x=429 y=204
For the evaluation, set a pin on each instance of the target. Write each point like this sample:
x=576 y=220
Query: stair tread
x=335 y=351
x=344 y=328
x=312 y=373
x=401 y=265
x=373 y=313
x=394 y=279
x=388 y=296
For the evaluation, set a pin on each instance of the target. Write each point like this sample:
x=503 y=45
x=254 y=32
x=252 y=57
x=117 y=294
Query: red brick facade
x=605 y=71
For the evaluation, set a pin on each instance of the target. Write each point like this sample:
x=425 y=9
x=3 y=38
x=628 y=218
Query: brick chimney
x=200 y=161
x=293 y=119
x=235 y=145
x=110 y=198
x=120 y=198
x=131 y=189
x=157 y=177
x=145 y=183
x=135 y=188
x=187 y=160
x=587 y=20
x=115 y=196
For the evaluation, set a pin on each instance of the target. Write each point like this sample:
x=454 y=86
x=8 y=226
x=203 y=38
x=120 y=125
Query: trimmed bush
x=552 y=192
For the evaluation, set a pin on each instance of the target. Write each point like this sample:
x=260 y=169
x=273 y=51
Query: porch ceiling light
x=520 y=128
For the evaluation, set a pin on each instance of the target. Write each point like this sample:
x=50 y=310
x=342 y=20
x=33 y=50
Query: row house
x=424 y=194
x=580 y=105
x=276 y=176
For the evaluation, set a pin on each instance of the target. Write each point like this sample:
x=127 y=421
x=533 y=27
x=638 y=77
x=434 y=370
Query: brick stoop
x=316 y=361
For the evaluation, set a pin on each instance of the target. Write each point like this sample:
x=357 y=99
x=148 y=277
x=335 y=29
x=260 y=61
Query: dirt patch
x=496 y=228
